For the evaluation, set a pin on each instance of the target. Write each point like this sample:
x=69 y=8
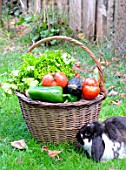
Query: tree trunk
x=120 y=27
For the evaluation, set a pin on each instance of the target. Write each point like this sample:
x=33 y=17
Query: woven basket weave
x=59 y=122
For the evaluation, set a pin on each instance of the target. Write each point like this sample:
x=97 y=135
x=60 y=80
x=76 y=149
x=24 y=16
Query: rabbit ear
x=79 y=138
x=111 y=131
x=115 y=128
x=118 y=121
x=97 y=149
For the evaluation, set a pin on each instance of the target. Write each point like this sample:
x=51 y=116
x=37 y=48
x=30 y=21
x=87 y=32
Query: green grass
x=14 y=128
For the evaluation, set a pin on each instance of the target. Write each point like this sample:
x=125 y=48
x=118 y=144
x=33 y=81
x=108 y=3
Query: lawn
x=14 y=128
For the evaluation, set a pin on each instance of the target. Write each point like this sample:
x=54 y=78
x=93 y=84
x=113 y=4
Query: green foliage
x=41 y=31
x=47 y=29
x=32 y=69
x=52 y=62
x=46 y=24
x=12 y=8
x=26 y=19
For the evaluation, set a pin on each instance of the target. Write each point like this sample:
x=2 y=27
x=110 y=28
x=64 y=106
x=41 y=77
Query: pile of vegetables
x=51 y=78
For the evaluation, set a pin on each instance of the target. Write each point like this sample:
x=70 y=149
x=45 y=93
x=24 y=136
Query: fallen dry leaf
x=111 y=87
x=20 y=32
x=101 y=53
x=101 y=60
x=60 y=159
x=116 y=102
x=103 y=119
x=111 y=169
x=124 y=75
x=95 y=70
x=9 y=47
x=19 y=160
x=20 y=144
x=119 y=74
x=122 y=95
x=116 y=51
x=123 y=56
x=52 y=153
x=77 y=65
x=112 y=93
x=115 y=59
x=81 y=35
x=107 y=63
x=102 y=67
x=44 y=148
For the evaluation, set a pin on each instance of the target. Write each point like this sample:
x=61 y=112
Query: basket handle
x=76 y=42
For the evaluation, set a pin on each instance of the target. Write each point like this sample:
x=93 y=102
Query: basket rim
x=81 y=102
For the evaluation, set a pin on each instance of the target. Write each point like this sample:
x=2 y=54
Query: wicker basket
x=59 y=122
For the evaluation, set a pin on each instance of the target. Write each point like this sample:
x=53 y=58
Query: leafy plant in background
x=26 y=19
x=12 y=7
x=49 y=24
x=45 y=24
x=41 y=31
x=44 y=29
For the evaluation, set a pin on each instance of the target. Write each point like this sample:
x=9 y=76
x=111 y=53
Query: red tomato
x=48 y=80
x=61 y=79
x=58 y=79
x=91 y=81
x=90 y=88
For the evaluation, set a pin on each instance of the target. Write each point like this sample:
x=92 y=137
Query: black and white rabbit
x=104 y=141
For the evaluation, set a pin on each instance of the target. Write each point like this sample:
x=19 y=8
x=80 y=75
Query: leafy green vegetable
x=33 y=68
x=52 y=62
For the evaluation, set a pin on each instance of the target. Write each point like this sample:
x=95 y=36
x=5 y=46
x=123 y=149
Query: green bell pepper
x=53 y=94
x=70 y=98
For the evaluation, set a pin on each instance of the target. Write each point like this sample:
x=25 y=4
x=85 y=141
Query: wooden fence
x=120 y=28
x=95 y=18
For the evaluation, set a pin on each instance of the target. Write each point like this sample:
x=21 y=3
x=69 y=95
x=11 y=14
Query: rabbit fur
x=104 y=141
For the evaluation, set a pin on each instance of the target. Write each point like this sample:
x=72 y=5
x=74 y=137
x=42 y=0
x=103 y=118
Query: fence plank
x=24 y=6
x=31 y=6
x=94 y=17
x=110 y=18
x=120 y=27
x=101 y=19
x=75 y=16
x=37 y=6
x=62 y=5
x=63 y=8
x=88 y=23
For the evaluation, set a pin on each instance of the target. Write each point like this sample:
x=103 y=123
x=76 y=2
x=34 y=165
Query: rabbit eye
x=81 y=135
x=87 y=134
